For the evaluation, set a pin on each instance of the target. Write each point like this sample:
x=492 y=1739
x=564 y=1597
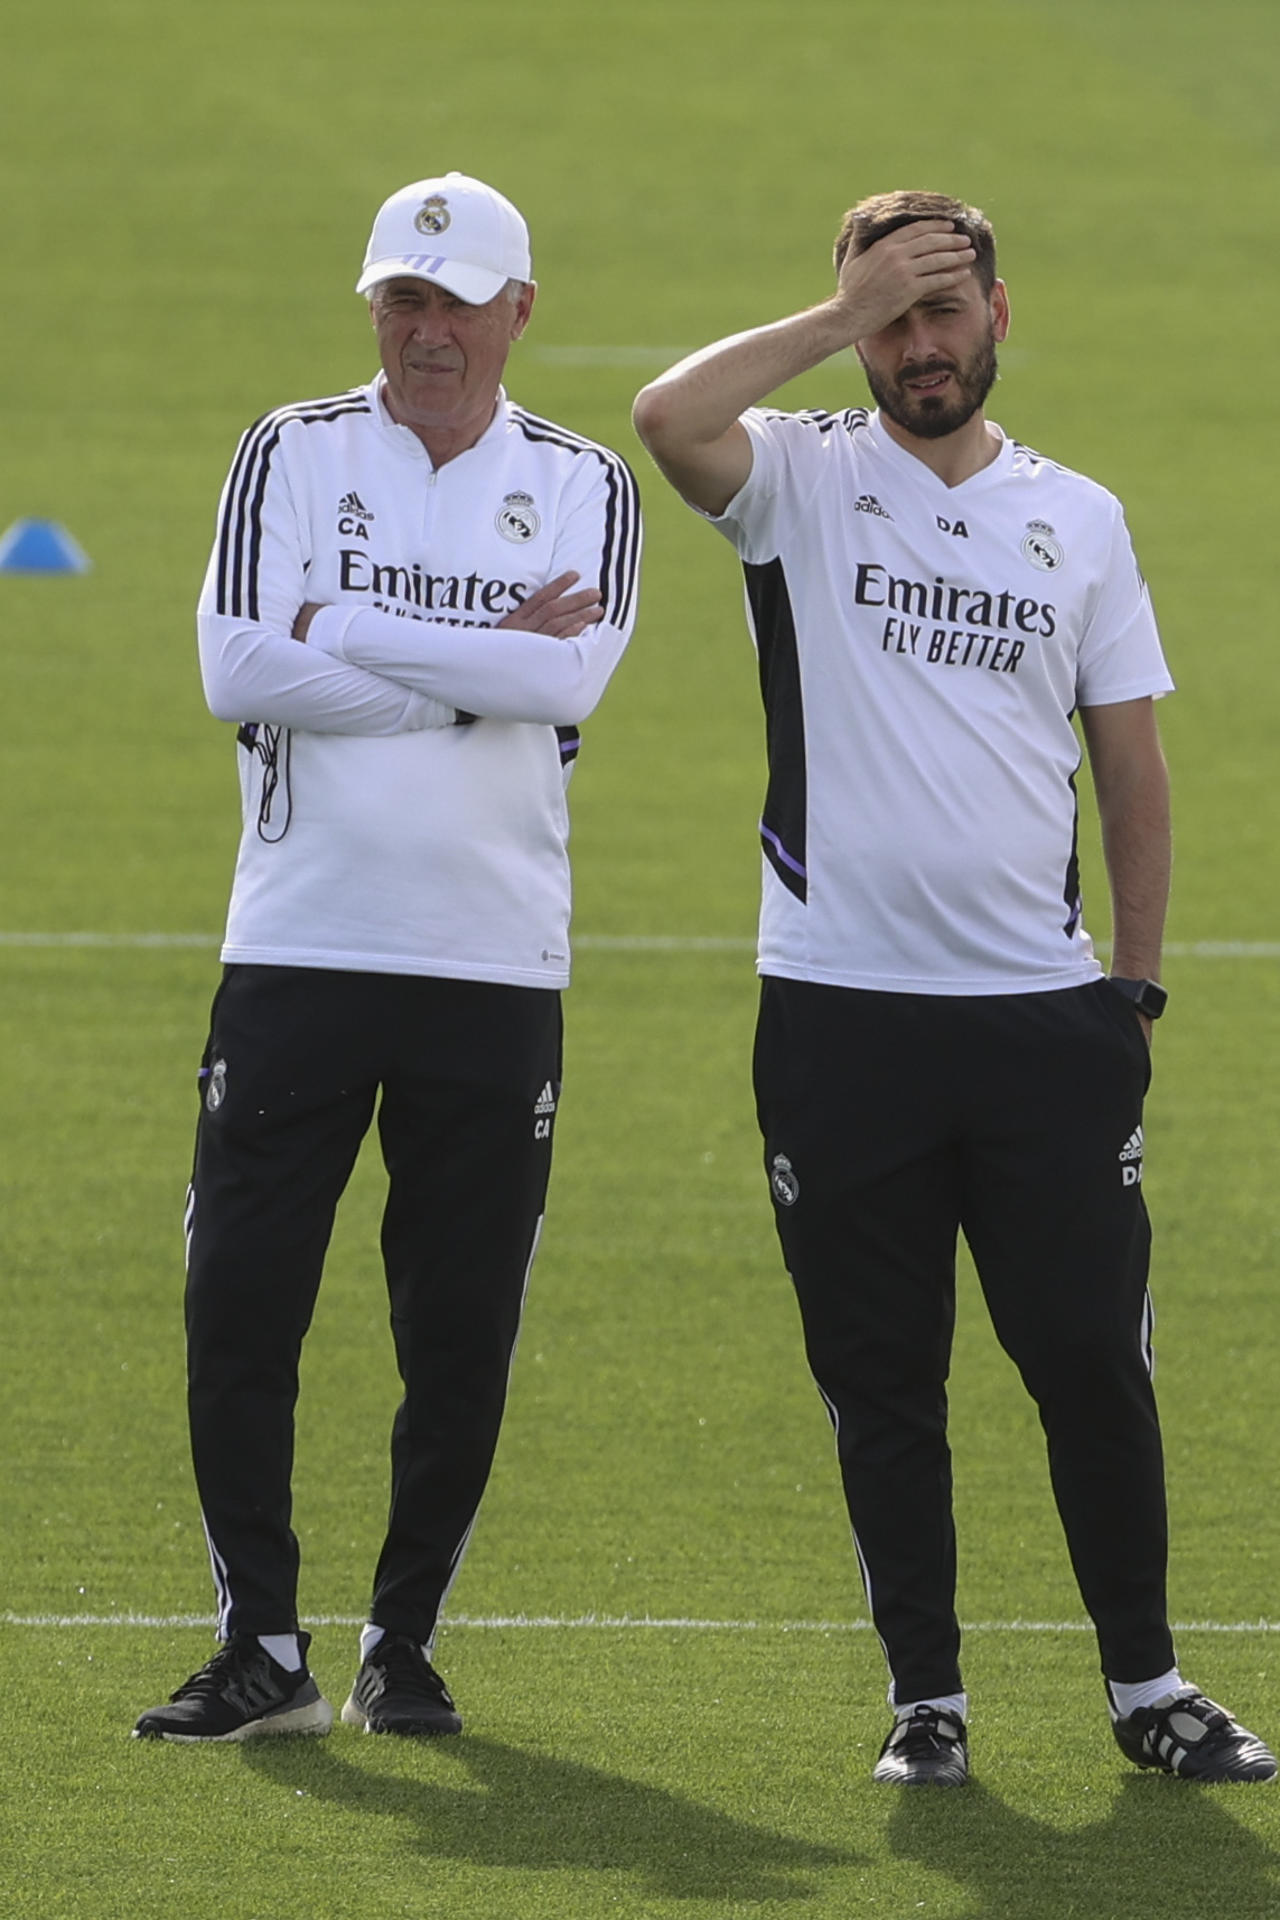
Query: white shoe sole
x=314 y=1718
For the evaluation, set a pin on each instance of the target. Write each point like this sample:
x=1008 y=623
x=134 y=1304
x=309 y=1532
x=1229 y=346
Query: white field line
x=109 y=940
x=611 y=943
x=663 y=943
x=606 y=356
x=614 y=1623
x=619 y=356
x=1223 y=950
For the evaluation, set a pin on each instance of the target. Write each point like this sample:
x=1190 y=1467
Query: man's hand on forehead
x=923 y=258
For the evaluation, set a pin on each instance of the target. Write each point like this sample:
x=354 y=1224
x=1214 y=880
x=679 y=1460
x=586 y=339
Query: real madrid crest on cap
x=1040 y=547
x=517 y=518
x=433 y=215
x=782 y=1179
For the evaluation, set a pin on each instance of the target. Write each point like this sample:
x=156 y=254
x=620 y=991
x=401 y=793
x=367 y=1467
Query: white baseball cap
x=453 y=230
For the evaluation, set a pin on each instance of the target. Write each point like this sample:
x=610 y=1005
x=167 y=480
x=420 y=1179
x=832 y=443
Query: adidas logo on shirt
x=867 y=503
x=1131 y=1159
x=543 y=1108
x=353 y=516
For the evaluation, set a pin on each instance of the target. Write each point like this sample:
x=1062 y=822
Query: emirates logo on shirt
x=413 y=586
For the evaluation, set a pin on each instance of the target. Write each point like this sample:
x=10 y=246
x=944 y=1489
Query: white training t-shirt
x=379 y=835
x=922 y=649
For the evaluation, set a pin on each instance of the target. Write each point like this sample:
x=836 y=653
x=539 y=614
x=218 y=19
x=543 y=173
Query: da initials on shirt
x=957 y=527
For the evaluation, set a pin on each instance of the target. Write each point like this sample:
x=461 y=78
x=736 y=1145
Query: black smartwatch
x=1148 y=996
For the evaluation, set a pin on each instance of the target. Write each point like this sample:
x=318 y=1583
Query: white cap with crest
x=453 y=230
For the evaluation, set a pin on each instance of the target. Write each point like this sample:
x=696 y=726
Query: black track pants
x=892 y=1122
x=469 y=1076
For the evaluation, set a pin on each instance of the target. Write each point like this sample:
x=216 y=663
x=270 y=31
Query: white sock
x=1125 y=1697
x=284 y=1650
x=956 y=1704
x=370 y=1636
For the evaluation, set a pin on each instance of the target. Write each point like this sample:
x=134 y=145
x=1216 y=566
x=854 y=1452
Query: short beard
x=929 y=417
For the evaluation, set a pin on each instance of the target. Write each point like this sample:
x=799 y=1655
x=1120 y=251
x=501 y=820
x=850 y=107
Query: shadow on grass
x=503 y=1806
x=1164 y=1848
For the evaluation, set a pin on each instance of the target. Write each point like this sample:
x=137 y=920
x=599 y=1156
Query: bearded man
x=938 y=1049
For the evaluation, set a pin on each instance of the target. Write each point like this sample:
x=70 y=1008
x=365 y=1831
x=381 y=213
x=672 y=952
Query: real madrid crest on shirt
x=1041 y=548
x=517 y=518
x=433 y=215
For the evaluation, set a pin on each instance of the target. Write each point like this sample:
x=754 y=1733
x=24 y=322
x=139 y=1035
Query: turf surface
x=186 y=198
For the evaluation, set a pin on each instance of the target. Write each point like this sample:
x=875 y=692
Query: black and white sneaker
x=1193 y=1737
x=397 y=1690
x=238 y=1695
x=925 y=1748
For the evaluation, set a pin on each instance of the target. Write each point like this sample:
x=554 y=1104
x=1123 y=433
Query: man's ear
x=999 y=300
x=524 y=307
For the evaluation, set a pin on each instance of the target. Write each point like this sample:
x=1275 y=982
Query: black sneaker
x=1193 y=1737
x=397 y=1690
x=925 y=1748
x=241 y=1693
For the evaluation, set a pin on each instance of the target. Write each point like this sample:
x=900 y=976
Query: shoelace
x=410 y=1667
x=1162 y=1739
x=926 y=1731
x=209 y=1678
x=242 y=1671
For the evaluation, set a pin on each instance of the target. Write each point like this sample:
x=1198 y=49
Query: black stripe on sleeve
x=620 y=556
x=782 y=824
x=240 y=526
x=1071 y=878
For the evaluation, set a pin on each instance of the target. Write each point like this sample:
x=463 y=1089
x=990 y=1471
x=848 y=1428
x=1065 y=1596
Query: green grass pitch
x=186 y=195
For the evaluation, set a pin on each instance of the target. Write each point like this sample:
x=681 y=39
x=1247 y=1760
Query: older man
x=938 y=1049
x=417 y=591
